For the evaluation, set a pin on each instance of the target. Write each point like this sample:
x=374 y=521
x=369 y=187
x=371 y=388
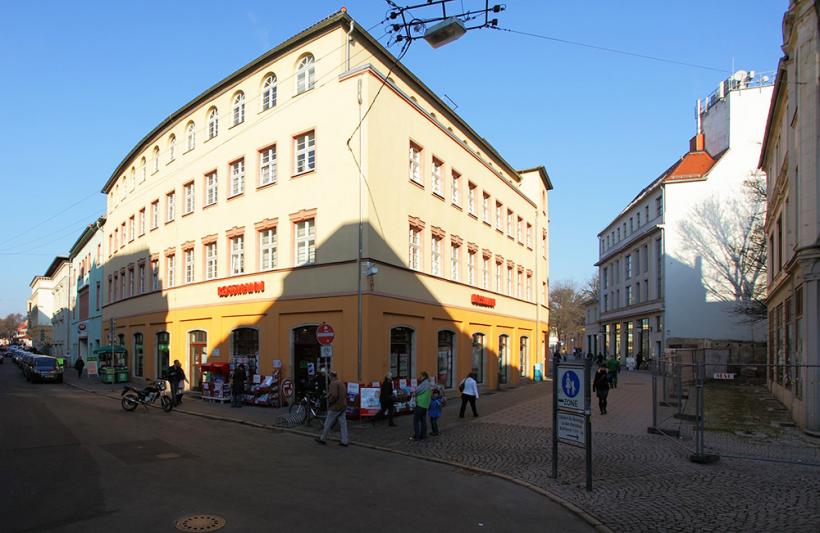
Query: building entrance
x=306 y=357
x=197 y=342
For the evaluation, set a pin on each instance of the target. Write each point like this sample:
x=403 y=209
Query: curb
x=569 y=506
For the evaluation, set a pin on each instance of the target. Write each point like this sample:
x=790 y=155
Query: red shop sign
x=241 y=288
x=483 y=301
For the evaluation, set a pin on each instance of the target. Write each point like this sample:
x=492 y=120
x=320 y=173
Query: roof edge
x=542 y=171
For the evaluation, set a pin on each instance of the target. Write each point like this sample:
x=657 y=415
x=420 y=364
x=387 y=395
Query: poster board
x=91 y=368
x=370 y=404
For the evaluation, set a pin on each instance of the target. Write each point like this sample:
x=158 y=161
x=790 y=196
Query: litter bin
x=107 y=374
x=537 y=373
x=121 y=374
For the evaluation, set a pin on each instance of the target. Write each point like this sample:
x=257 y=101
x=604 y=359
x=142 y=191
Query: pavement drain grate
x=200 y=522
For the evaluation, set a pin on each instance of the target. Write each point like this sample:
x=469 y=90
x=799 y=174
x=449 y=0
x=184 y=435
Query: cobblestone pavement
x=641 y=482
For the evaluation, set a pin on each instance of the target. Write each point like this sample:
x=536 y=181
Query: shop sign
x=81 y=326
x=241 y=288
x=724 y=375
x=482 y=301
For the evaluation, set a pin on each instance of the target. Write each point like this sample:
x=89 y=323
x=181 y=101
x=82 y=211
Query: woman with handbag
x=469 y=394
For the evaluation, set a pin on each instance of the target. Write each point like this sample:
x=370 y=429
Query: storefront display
x=363 y=399
x=215 y=383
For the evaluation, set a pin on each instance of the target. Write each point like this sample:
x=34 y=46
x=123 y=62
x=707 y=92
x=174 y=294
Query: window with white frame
x=529 y=235
x=237 y=177
x=509 y=223
x=455 y=253
x=143 y=169
x=189 y=266
x=210 y=261
x=238 y=108
x=190 y=135
x=305 y=74
x=415 y=163
x=155 y=214
x=189 y=197
x=237 y=255
x=131 y=228
x=213 y=123
x=471 y=268
x=305 y=152
x=305 y=242
x=519 y=284
x=267 y=165
x=455 y=188
x=211 y=190
x=141 y=277
x=171 y=261
x=471 y=192
x=529 y=287
x=519 y=230
x=133 y=181
x=155 y=274
x=269 y=92
x=499 y=286
x=267 y=249
x=485 y=208
x=435 y=176
x=155 y=160
x=172 y=146
x=142 y=222
x=414 y=254
x=485 y=273
x=170 y=206
x=509 y=281
x=435 y=256
x=499 y=222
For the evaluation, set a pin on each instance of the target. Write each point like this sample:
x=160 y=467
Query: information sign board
x=571 y=388
x=571 y=429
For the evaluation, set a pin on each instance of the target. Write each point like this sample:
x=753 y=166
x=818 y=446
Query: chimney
x=697 y=143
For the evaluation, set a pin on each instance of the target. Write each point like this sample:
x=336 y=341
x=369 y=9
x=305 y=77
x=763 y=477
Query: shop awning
x=219 y=367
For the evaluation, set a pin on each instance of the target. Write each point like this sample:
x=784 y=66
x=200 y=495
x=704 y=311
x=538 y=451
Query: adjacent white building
x=61 y=316
x=660 y=258
x=41 y=306
x=86 y=310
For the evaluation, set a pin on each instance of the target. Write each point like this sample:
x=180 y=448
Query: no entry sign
x=325 y=334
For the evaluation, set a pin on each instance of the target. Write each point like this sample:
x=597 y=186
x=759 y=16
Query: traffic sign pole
x=555 y=386
x=588 y=416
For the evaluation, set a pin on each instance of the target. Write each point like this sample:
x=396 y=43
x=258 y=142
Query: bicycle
x=307 y=407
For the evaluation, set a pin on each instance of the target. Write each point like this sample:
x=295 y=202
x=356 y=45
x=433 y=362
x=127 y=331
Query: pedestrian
x=176 y=375
x=238 y=386
x=79 y=365
x=469 y=394
x=336 y=410
x=422 y=395
x=386 y=402
x=600 y=386
x=436 y=403
x=639 y=361
x=613 y=367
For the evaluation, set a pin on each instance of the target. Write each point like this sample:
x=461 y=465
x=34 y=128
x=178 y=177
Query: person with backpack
x=600 y=386
x=469 y=394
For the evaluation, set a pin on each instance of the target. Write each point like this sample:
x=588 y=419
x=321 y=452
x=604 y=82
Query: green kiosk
x=113 y=363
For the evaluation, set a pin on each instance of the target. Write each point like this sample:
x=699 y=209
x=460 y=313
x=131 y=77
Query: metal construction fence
x=714 y=407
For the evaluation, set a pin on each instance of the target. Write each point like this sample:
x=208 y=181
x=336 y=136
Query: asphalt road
x=72 y=461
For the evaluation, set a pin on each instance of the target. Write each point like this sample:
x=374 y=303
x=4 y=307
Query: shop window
x=523 y=356
x=163 y=354
x=503 y=358
x=446 y=356
x=245 y=344
x=197 y=343
x=307 y=363
x=139 y=355
x=401 y=353
x=478 y=357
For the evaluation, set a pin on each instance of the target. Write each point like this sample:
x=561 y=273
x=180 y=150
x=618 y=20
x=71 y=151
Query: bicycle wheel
x=298 y=412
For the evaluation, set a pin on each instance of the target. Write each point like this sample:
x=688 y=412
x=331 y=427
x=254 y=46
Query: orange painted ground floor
x=398 y=336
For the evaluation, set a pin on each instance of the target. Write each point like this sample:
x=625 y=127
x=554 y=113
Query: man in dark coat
x=238 y=386
x=79 y=365
x=386 y=401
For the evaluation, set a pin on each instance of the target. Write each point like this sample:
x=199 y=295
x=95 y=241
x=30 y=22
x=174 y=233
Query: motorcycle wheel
x=167 y=405
x=130 y=402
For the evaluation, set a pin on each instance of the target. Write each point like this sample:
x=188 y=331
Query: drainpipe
x=349 y=40
x=360 y=244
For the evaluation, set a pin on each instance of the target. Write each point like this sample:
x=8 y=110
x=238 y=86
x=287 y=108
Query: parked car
x=45 y=368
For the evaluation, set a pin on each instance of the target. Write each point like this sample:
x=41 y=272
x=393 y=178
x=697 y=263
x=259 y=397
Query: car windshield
x=45 y=363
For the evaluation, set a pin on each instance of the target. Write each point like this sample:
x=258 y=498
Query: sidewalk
x=641 y=482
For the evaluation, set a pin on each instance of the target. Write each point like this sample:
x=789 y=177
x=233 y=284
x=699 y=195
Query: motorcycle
x=132 y=397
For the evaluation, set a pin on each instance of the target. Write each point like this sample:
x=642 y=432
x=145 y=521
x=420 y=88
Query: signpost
x=325 y=334
x=571 y=414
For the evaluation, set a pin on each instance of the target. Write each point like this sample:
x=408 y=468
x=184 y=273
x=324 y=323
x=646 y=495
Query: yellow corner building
x=261 y=209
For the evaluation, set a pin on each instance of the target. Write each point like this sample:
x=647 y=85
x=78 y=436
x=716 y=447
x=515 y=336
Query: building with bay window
x=273 y=202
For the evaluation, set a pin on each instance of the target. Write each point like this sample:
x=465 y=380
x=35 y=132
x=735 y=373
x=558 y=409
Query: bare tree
x=9 y=324
x=567 y=312
x=729 y=236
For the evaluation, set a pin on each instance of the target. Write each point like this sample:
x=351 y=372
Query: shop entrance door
x=197 y=342
x=306 y=353
x=163 y=354
x=503 y=358
x=401 y=353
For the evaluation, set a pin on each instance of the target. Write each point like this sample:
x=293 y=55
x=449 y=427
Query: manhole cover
x=200 y=522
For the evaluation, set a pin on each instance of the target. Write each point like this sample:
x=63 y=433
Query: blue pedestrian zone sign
x=571 y=389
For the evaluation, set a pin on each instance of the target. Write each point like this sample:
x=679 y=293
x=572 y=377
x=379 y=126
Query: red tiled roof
x=693 y=165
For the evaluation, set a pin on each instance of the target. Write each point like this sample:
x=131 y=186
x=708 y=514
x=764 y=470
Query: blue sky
x=82 y=82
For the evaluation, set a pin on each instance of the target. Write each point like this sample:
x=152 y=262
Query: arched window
x=142 y=170
x=172 y=146
x=213 y=123
x=190 y=134
x=133 y=181
x=503 y=358
x=269 y=92
x=401 y=353
x=238 y=108
x=305 y=74
x=446 y=356
x=156 y=159
x=478 y=356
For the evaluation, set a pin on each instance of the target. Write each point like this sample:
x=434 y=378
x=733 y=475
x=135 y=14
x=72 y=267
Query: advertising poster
x=369 y=401
x=91 y=368
x=352 y=389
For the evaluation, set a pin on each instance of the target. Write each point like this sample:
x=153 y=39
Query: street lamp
x=444 y=32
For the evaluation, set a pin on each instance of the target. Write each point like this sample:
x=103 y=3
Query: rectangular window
x=658 y=264
x=306 y=242
x=155 y=214
x=141 y=224
x=529 y=287
x=415 y=164
x=499 y=286
x=435 y=257
x=237 y=255
x=638 y=261
x=498 y=217
x=435 y=177
x=529 y=235
x=171 y=262
x=471 y=192
x=628 y=266
x=189 y=197
x=267 y=166
x=131 y=228
x=485 y=208
x=519 y=230
x=267 y=249
x=631 y=227
x=97 y=296
x=629 y=295
x=122 y=284
x=455 y=188
x=659 y=205
x=485 y=273
x=645 y=258
x=638 y=217
x=123 y=236
x=141 y=277
x=510 y=222
x=237 y=177
x=170 y=206
x=211 y=184
x=471 y=268
x=509 y=281
x=155 y=274
x=414 y=251
x=455 y=251
x=131 y=282
x=305 y=152
x=189 y=266
x=210 y=261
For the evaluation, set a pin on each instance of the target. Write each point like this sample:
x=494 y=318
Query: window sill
x=169 y=221
x=210 y=138
x=457 y=206
x=156 y=171
x=152 y=229
x=266 y=110
x=487 y=223
x=472 y=215
x=303 y=173
x=499 y=231
x=209 y=205
x=416 y=183
x=299 y=93
x=266 y=185
x=186 y=214
x=187 y=151
x=438 y=195
x=170 y=161
x=237 y=195
x=232 y=126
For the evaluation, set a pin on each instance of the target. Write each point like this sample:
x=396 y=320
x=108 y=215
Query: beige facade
x=43 y=304
x=253 y=265
x=789 y=158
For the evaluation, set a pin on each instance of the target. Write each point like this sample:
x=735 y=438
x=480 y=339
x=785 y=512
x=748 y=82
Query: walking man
x=422 y=394
x=238 y=386
x=600 y=386
x=386 y=401
x=469 y=394
x=336 y=410
x=613 y=367
x=79 y=365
